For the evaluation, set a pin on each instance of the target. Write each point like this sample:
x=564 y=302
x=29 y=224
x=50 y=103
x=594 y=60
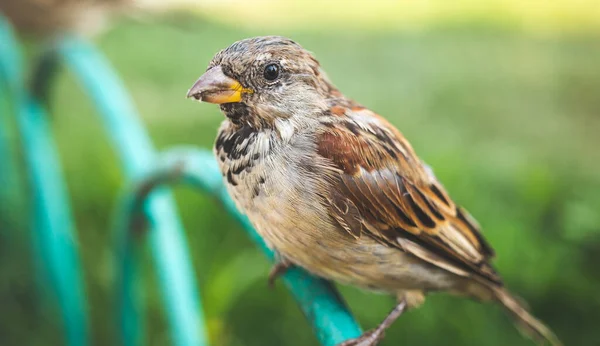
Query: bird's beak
x=215 y=87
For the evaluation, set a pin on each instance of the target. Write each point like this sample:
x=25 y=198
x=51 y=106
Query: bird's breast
x=270 y=178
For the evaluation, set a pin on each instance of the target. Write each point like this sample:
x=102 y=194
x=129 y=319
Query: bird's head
x=262 y=79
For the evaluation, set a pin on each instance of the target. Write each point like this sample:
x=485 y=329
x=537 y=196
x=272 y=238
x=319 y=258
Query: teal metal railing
x=53 y=230
x=146 y=204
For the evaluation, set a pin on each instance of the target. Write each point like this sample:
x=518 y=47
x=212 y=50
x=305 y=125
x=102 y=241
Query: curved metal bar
x=318 y=299
x=43 y=76
x=10 y=193
x=53 y=228
x=169 y=248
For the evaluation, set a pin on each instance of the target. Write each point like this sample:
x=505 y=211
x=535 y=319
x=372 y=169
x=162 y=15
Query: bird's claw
x=278 y=269
x=369 y=338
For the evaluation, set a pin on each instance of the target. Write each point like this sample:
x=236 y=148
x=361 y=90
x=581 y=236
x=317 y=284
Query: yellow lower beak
x=215 y=87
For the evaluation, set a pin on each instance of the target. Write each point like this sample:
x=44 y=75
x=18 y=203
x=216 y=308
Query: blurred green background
x=506 y=111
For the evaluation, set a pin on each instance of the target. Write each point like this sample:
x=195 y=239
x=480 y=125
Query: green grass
x=509 y=122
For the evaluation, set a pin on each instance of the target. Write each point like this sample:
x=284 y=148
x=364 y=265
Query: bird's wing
x=381 y=189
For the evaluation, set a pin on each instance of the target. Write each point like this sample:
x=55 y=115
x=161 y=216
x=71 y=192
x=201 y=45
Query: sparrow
x=334 y=188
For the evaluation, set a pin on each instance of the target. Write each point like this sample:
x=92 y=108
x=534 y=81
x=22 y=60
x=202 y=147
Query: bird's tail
x=528 y=324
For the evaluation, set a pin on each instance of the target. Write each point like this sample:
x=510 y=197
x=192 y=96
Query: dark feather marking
x=219 y=142
x=256 y=190
x=421 y=215
x=227 y=144
x=433 y=210
x=352 y=127
x=240 y=168
x=231 y=144
x=384 y=137
x=230 y=178
x=440 y=195
x=487 y=248
x=391 y=151
x=407 y=220
x=402 y=189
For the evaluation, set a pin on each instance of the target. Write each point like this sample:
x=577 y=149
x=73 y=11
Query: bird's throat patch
x=235 y=111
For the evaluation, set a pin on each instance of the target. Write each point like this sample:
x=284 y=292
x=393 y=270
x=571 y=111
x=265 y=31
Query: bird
x=334 y=188
x=47 y=19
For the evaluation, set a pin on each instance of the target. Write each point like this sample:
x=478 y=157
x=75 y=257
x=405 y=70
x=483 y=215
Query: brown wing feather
x=382 y=189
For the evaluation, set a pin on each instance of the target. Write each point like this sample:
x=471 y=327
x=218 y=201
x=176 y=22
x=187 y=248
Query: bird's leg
x=279 y=268
x=373 y=336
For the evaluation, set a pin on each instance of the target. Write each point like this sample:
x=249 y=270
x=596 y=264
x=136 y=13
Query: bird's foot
x=278 y=269
x=369 y=338
x=374 y=336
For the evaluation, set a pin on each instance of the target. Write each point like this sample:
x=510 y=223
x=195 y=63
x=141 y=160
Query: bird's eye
x=271 y=72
